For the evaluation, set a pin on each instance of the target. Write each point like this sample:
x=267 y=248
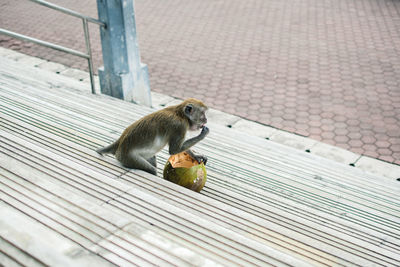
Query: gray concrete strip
x=334 y=153
x=292 y=140
x=254 y=128
x=53 y=67
x=379 y=167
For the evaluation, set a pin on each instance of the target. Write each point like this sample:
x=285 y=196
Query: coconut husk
x=182 y=160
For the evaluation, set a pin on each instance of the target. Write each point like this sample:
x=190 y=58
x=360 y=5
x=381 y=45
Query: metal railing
x=85 y=20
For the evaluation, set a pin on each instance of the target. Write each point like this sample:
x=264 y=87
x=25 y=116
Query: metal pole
x=124 y=75
x=89 y=52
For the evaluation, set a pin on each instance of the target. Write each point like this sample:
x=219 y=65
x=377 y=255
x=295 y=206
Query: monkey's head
x=195 y=111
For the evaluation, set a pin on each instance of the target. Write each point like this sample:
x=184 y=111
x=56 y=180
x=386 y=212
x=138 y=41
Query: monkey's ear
x=189 y=109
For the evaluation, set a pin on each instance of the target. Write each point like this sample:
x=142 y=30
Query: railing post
x=123 y=75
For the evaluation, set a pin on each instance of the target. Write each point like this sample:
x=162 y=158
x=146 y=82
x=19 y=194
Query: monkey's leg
x=153 y=161
x=135 y=161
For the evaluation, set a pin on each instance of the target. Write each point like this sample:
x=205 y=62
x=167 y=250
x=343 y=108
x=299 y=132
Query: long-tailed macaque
x=137 y=146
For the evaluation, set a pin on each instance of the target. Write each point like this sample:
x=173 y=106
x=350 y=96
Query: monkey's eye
x=189 y=109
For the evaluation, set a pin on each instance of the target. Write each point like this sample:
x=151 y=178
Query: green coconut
x=182 y=169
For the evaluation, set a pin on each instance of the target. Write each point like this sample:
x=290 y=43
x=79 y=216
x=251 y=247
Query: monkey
x=138 y=144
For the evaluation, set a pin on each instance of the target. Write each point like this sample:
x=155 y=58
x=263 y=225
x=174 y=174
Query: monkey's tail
x=108 y=149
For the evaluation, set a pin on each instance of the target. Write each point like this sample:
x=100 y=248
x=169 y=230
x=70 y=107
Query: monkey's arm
x=177 y=146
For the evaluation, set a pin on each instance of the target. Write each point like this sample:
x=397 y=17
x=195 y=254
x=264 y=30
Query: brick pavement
x=328 y=70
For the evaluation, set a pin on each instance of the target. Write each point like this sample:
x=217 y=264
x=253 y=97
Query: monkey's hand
x=198 y=157
x=204 y=131
x=201 y=158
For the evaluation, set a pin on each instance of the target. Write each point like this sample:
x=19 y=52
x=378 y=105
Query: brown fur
x=137 y=145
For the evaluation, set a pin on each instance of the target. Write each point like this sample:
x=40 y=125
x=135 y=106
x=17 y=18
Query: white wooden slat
x=51 y=219
x=175 y=228
x=333 y=205
x=130 y=239
x=347 y=175
x=282 y=204
x=85 y=209
x=59 y=145
x=315 y=228
x=38 y=185
x=22 y=142
x=311 y=190
x=109 y=232
x=11 y=255
x=87 y=177
x=225 y=215
x=53 y=114
x=38 y=241
x=265 y=151
x=207 y=206
x=195 y=223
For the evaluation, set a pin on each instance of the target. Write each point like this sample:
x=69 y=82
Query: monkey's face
x=196 y=115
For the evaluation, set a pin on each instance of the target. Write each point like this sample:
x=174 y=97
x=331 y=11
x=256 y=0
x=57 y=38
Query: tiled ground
x=329 y=69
